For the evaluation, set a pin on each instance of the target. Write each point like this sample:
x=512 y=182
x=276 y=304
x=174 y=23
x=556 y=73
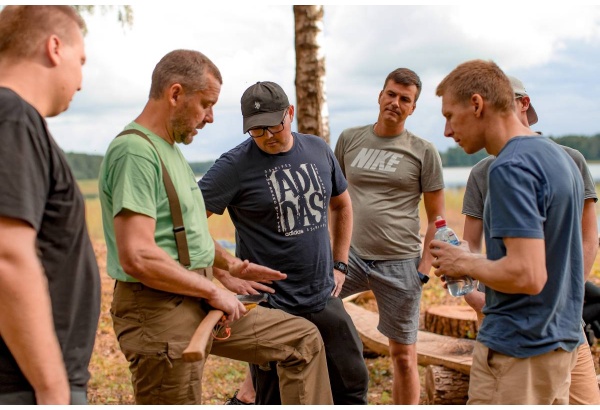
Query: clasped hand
x=449 y=260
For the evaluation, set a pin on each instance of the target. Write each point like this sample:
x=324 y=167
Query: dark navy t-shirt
x=535 y=191
x=279 y=204
x=37 y=187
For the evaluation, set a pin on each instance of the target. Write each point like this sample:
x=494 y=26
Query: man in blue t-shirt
x=584 y=386
x=280 y=188
x=527 y=344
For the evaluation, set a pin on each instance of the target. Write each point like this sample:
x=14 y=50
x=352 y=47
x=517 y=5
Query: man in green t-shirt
x=157 y=302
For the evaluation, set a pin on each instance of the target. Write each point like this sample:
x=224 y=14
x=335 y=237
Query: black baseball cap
x=263 y=105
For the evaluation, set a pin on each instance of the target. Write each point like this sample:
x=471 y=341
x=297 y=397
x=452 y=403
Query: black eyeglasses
x=259 y=132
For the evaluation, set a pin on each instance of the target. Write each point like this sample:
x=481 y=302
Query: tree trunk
x=445 y=386
x=311 y=103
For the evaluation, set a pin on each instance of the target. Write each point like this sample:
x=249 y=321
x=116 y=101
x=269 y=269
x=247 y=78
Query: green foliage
x=88 y=166
x=456 y=157
x=85 y=166
x=588 y=146
x=124 y=13
x=200 y=168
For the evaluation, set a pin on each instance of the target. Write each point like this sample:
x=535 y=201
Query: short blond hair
x=23 y=29
x=479 y=77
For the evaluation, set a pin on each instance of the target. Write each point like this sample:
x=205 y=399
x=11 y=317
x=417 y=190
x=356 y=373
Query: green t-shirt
x=131 y=178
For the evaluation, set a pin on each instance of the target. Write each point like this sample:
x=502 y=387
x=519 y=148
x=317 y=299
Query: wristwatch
x=341 y=266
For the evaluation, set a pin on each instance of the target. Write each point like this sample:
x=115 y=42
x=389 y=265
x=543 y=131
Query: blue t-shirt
x=279 y=204
x=535 y=191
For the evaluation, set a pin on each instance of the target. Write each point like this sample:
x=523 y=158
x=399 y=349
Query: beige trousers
x=500 y=379
x=154 y=327
x=584 y=385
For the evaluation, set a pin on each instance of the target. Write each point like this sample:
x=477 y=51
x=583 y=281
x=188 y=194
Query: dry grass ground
x=110 y=383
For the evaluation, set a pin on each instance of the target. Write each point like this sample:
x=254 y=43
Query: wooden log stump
x=445 y=386
x=432 y=349
x=455 y=321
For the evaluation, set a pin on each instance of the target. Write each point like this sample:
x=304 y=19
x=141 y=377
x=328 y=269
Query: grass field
x=110 y=383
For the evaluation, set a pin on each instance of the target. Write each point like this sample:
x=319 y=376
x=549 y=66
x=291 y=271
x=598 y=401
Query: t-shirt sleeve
x=24 y=173
x=135 y=183
x=589 y=186
x=339 y=152
x=513 y=193
x=432 y=176
x=588 y=182
x=219 y=185
x=473 y=200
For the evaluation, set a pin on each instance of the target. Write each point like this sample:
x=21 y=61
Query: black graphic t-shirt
x=278 y=204
x=37 y=187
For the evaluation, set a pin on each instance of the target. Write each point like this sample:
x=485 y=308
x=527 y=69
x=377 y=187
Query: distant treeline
x=588 y=146
x=88 y=166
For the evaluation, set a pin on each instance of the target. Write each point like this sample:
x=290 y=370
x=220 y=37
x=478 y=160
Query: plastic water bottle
x=456 y=286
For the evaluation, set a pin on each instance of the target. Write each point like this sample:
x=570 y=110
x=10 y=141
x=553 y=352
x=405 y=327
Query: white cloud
x=546 y=46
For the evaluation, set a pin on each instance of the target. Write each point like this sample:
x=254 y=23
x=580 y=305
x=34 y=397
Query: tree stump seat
x=456 y=321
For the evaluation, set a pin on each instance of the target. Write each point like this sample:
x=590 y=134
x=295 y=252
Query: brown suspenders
x=178 y=227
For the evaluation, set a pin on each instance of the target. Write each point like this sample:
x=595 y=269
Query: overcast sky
x=554 y=50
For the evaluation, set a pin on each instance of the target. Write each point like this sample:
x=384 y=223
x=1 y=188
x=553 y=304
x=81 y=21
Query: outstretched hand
x=244 y=287
x=251 y=271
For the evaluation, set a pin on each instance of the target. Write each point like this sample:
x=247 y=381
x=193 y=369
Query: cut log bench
x=447 y=358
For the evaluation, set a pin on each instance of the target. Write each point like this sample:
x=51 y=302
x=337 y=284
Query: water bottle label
x=452 y=239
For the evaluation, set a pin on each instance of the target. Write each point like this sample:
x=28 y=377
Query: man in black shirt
x=49 y=281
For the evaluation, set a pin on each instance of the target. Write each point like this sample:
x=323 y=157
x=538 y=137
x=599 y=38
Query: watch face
x=341 y=266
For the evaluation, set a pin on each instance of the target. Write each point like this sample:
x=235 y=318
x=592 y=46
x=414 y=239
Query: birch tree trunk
x=311 y=102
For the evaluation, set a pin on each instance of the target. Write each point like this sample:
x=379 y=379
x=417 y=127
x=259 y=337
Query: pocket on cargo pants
x=153 y=328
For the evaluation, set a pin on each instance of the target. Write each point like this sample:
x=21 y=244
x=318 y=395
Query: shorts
x=397 y=289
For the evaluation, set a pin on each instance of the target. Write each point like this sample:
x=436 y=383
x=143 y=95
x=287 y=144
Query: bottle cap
x=439 y=222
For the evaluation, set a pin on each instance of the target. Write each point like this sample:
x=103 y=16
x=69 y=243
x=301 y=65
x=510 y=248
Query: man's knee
x=403 y=355
x=311 y=343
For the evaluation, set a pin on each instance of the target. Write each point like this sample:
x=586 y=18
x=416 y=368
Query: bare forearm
x=434 y=207
x=507 y=274
x=426 y=257
x=223 y=259
x=473 y=233
x=521 y=270
x=27 y=327
x=155 y=268
x=341 y=233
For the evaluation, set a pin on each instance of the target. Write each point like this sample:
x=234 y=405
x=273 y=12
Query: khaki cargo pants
x=154 y=327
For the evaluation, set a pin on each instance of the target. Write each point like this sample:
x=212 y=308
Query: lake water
x=457 y=177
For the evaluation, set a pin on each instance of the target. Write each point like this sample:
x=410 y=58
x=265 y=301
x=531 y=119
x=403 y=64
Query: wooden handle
x=196 y=350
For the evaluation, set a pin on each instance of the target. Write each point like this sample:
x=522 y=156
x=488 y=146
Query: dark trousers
x=348 y=374
x=78 y=397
